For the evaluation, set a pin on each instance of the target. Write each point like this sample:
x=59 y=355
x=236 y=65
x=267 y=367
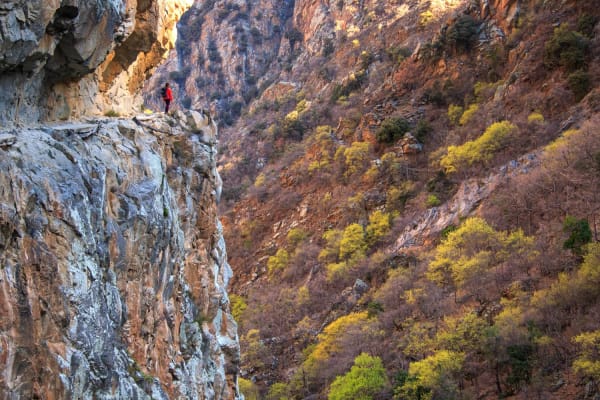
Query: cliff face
x=113 y=265
x=60 y=61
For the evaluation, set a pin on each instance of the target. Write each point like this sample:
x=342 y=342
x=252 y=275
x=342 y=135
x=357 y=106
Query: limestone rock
x=113 y=266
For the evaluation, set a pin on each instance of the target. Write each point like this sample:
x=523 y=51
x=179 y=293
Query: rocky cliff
x=60 y=60
x=113 y=266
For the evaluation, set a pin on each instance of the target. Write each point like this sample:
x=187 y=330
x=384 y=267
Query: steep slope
x=114 y=271
x=416 y=180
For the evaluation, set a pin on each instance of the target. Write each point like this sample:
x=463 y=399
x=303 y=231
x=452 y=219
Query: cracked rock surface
x=113 y=268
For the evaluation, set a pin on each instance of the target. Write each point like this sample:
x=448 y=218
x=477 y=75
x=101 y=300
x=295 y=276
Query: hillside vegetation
x=412 y=206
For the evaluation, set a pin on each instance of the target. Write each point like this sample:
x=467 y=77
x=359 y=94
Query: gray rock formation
x=113 y=269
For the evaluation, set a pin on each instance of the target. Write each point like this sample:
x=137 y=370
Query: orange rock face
x=113 y=267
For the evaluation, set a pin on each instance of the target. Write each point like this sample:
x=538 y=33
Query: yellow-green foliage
x=468 y=114
x=295 y=236
x=292 y=116
x=248 y=389
x=479 y=150
x=331 y=340
x=582 y=286
x=468 y=255
x=426 y=17
x=278 y=262
x=238 y=306
x=254 y=349
x=303 y=295
x=481 y=88
x=356 y=157
x=433 y=376
x=260 y=180
x=337 y=270
x=397 y=196
x=432 y=201
x=417 y=340
x=278 y=391
x=352 y=244
x=535 y=118
x=561 y=147
x=454 y=113
x=331 y=250
x=379 y=226
x=587 y=362
x=323 y=147
x=112 y=114
x=301 y=106
x=465 y=334
x=365 y=379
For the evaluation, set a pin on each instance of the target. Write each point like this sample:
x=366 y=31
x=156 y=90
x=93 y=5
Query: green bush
x=586 y=24
x=432 y=201
x=567 y=49
x=580 y=83
x=392 y=129
x=579 y=234
x=462 y=34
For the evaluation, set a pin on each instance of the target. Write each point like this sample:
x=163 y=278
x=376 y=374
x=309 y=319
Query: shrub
x=112 y=114
x=366 y=379
x=398 y=53
x=278 y=262
x=586 y=24
x=238 y=306
x=278 y=391
x=356 y=157
x=425 y=18
x=422 y=129
x=469 y=258
x=579 y=234
x=328 y=47
x=248 y=389
x=535 y=118
x=479 y=150
x=353 y=83
x=580 y=83
x=468 y=114
x=454 y=113
x=379 y=226
x=567 y=49
x=432 y=201
x=587 y=362
x=392 y=129
x=352 y=243
x=462 y=34
x=295 y=236
x=433 y=377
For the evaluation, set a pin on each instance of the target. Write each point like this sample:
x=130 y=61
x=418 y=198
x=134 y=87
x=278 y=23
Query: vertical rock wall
x=113 y=269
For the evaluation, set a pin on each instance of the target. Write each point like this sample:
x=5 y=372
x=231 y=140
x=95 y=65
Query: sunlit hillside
x=411 y=196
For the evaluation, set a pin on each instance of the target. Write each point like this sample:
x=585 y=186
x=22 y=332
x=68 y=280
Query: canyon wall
x=113 y=268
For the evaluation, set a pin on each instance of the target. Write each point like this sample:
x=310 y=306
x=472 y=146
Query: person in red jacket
x=167 y=96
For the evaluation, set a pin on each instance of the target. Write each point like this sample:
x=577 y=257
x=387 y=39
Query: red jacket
x=168 y=94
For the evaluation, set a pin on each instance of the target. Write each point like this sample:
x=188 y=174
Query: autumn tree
x=480 y=260
x=365 y=379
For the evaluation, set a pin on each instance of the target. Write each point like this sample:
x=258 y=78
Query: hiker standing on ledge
x=167 y=96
